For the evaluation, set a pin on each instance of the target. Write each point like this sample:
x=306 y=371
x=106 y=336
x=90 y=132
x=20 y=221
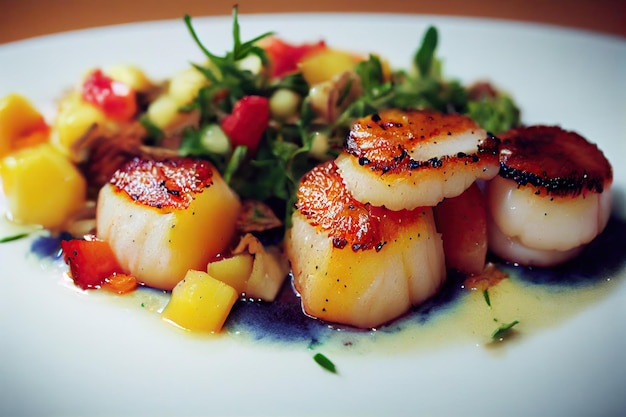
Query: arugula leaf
x=235 y=81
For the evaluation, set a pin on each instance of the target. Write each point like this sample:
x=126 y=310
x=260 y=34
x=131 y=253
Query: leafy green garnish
x=13 y=237
x=503 y=330
x=325 y=363
x=155 y=134
x=495 y=114
x=239 y=154
x=486 y=297
x=425 y=56
x=272 y=175
x=224 y=73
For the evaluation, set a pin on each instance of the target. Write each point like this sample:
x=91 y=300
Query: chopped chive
x=501 y=331
x=14 y=237
x=325 y=363
x=487 y=299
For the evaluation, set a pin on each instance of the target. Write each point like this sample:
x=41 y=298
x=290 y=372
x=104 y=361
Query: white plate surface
x=67 y=353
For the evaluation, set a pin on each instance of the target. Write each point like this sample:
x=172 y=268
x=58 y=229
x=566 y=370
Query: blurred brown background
x=20 y=19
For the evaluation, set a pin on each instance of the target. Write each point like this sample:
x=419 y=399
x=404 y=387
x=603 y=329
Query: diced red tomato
x=91 y=262
x=116 y=99
x=285 y=57
x=247 y=122
x=462 y=222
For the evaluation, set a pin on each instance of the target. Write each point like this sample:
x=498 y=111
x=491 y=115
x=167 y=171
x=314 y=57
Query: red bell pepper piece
x=91 y=262
x=247 y=122
x=285 y=57
x=116 y=99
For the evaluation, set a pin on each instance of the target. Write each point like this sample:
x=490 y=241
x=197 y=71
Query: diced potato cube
x=324 y=65
x=233 y=271
x=130 y=75
x=200 y=303
x=42 y=186
x=74 y=119
x=21 y=125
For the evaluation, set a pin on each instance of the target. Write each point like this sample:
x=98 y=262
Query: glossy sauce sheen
x=167 y=184
x=558 y=161
x=383 y=142
x=539 y=298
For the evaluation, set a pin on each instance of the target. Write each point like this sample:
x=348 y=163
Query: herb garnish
x=325 y=363
x=13 y=237
x=503 y=330
x=284 y=154
x=486 y=296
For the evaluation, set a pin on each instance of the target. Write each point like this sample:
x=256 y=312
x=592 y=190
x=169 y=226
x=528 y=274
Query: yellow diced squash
x=21 y=125
x=324 y=65
x=200 y=303
x=233 y=271
x=41 y=186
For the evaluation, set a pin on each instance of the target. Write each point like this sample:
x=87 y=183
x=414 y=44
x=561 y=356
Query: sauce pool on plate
x=460 y=313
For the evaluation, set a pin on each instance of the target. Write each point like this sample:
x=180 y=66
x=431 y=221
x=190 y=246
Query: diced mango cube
x=130 y=75
x=200 y=303
x=324 y=65
x=21 y=125
x=233 y=271
x=184 y=85
x=164 y=111
x=74 y=119
x=41 y=186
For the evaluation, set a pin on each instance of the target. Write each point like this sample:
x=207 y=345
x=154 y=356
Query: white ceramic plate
x=67 y=353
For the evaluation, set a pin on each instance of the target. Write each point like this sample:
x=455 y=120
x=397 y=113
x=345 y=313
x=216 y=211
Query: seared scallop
x=358 y=264
x=407 y=159
x=162 y=218
x=551 y=197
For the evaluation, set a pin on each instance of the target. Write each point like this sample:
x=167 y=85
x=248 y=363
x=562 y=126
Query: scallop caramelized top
x=405 y=159
x=357 y=264
x=163 y=218
x=324 y=201
x=551 y=198
x=554 y=161
x=163 y=185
